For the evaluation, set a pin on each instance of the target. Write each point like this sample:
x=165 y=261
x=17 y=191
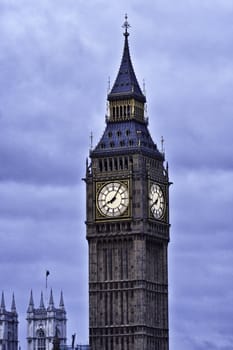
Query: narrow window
x=128 y=110
x=41 y=340
x=124 y=111
x=105 y=165
x=115 y=164
x=110 y=164
x=121 y=164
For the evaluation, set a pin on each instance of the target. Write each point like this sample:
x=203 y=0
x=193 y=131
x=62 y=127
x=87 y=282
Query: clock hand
x=155 y=202
x=111 y=200
x=114 y=197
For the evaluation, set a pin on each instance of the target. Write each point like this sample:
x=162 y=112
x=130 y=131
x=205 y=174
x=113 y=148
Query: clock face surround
x=113 y=199
x=156 y=201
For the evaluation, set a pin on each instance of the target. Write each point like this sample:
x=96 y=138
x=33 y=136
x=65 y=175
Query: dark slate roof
x=126 y=84
x=126 y=137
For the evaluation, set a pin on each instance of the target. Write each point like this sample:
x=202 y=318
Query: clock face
x=156 y=201
x=113 y=199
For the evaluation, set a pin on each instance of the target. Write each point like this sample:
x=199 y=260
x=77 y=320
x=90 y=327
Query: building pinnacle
x=61 y=305
x=51 y=302
x=42 y=301
x=13 y=306
x=2 y=306
x=31 y=303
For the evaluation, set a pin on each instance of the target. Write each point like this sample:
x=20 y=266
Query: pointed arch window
x=41 y=340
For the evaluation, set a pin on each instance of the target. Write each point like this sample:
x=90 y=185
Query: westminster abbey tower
x=127 y=225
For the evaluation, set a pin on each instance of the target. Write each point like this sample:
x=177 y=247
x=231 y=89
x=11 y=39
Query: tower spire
x=61 y=305
x=31 y=303
x=3 y=306
x=13 y=306
x=126 y=85
x=51 y=302
x=42 y=301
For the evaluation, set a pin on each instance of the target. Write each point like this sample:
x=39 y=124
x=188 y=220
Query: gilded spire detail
x=126 y=25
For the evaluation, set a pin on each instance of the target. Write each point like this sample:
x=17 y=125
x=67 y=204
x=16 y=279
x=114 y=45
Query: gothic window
x=111 y=311
x=110 y=164
x=120 y=163
x=100 y=165
x=124 y=111
x=41 y=340
x=106 y=309
x=131 y=142
x=128 y=110
x=126 y=163
x=115 y=164
x=105 y=265
x=105 y=165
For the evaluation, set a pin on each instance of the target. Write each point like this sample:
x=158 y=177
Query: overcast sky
x=55 y=60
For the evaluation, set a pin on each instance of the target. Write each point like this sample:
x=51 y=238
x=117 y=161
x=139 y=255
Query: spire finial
x=162 y=145
x=13 y=306
x=91 y=140
x=126 y=25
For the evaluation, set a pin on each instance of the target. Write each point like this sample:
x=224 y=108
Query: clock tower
x=127 y=225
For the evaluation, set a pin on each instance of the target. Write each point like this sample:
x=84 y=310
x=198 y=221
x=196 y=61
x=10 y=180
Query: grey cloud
x=55 y=62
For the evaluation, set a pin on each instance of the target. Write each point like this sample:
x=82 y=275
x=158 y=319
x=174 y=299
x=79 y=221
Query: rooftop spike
x=51 y=302
x=61 y=305
x=126 y=85
x=13 y=306
x=42 y=301
x=3 y=306
x=31 y=303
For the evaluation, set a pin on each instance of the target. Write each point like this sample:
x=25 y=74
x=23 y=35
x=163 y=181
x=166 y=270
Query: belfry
x=127 y=224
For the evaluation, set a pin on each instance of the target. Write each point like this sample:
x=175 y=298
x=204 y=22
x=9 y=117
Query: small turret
x=13 y=306
x=3 y=306
x=61 y=304
x=51 y=302
x=31 y=303
x=42 y=307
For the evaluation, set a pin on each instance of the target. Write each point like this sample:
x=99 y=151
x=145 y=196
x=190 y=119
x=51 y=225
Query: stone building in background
x=8 y=326
x=44 y=324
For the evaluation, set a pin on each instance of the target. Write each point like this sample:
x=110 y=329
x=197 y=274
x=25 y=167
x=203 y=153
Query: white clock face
x=156 y=201
x=113 y=199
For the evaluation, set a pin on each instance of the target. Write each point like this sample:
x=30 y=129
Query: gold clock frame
x=99 y=216
x=163 y=216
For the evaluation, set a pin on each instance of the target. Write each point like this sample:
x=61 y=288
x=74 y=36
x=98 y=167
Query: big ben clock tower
x=127 y=225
